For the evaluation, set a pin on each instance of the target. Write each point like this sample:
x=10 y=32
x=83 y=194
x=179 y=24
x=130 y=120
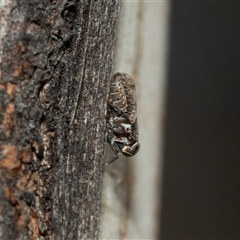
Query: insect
x=121 y=117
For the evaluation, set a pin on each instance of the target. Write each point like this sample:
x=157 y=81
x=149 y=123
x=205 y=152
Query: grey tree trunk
x=56 y=63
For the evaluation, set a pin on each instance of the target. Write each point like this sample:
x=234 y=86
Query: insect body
x=121 y=117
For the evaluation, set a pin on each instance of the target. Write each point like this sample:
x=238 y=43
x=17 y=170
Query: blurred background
x=185 y=181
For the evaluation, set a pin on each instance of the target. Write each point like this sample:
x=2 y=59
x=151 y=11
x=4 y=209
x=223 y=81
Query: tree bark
x=56 y=63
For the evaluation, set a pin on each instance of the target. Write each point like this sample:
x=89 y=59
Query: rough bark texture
x=56 y=63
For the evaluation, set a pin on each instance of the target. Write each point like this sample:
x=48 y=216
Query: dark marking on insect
x=121 y=117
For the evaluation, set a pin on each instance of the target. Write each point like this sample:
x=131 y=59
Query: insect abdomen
x=117 y=96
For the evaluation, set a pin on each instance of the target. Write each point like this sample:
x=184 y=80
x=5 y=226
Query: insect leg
x=111 y=160
x=117 y=151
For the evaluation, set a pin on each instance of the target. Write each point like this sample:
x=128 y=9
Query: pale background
x=131 y=189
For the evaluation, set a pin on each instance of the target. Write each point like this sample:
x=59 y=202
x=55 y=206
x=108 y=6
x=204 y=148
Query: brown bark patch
x=10 y=195
x=33 y=225
x=11 y=90
x=9 y=157
x=24 y=156
x=8 y=122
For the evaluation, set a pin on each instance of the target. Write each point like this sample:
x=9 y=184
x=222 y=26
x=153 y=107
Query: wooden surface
x=56 y=63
